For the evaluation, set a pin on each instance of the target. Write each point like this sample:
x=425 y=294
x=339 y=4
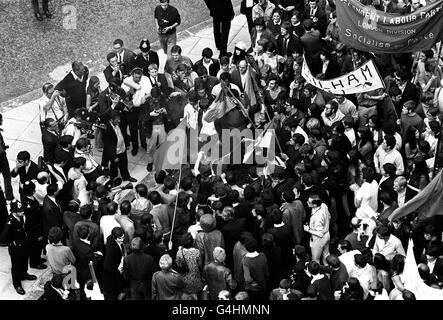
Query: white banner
x=363 y=79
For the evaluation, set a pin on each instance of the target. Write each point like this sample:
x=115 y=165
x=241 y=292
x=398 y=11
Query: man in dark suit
x=113 y=283
x=409 y=90
x=125 y=57
x=83 y=255
x=317 y=15
x=25 y=168
x=312 y=44
x=138 y=268
x=4 y=167
x=51 y=211
x=146 y=57
x=33 y=226
x=231 y=228
x=285 y=182
x=158 y=80
x=74 y=84
x=212 y=65
x=287 y=42
x=64 y=150
x=322 y=282
x=114 y=150
x=94 y=230
x=50 y=139
x=222 y=14
x=238 y=76
x=113 y=71
x=404 y=192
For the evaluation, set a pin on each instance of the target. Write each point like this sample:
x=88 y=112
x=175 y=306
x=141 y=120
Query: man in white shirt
x=347 y=255
x=138 y=90
x=331 y=114
x=386 y=153
x=318 y=228
x=347 y=107
x=83 y=150
x=387 y=244
x=366 y=198
x=191 y=110
x=108 y=221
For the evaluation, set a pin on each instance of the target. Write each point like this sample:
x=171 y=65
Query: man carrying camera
x=83 y=149
x=73 y=127
x=53 y=105
x=167 y=18
x=153 y=119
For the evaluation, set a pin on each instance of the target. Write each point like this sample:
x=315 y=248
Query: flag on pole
x=427 y=203
x=172 y=153
x=363 y=79
x=412 y=279
x=249 y=88
x=221 y=106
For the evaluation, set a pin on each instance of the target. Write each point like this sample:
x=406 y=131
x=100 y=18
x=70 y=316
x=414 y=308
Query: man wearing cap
x=146 y=57
x=139 y=87
x=152 y=121
x=25 y=168
x=33 y=226
x=15 y=236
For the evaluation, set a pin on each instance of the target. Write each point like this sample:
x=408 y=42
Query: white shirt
x=121 y=147
x=347 y=259
x=191 y=115
x=301 y=131
x=330 y=121
x=350 y=133
x=217 y=88
x=319 y=221
x=389 y=248
x=72 y=130
x=107 y=224
x=76 y=77
x=393 y=156
x=143 y=88
x=367 y=196
x=55 y=111
x=401 y=198
x=207 y=65
x=91 y=164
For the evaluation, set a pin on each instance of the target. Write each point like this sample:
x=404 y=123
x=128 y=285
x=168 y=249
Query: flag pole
x=176 y=199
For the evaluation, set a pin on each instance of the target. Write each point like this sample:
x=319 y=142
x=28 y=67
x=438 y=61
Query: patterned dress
x=192 y=278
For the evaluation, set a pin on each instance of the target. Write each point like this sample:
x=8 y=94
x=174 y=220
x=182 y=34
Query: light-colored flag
x=363 y=79
x=412 y=279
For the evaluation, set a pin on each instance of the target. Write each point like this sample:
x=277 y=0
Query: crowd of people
x=317 y=228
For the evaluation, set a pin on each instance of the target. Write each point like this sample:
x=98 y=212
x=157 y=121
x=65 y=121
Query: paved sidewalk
x=22 y=132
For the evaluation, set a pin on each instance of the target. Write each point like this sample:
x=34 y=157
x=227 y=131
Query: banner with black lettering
x=365 y=28
x=364 y=79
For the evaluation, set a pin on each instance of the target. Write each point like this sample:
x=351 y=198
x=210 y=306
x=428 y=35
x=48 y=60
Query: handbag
x=182 y=268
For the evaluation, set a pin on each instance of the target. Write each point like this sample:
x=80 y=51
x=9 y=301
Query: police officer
x=15 y=236
x=146 y=57
x=33 y=226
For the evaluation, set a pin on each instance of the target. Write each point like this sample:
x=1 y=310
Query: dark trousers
x=6 y=172
x=3 y=210
x=221 y=35
x=93 y=175
x=130 y=118
x=122 y=165
x=35 y=5
x=139 y=290
x=35 y=251
x=248 y=15
x=19 y=264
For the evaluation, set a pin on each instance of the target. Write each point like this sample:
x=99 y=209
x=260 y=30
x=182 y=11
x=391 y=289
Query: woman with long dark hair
x=365 y=145
x=420 y=173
